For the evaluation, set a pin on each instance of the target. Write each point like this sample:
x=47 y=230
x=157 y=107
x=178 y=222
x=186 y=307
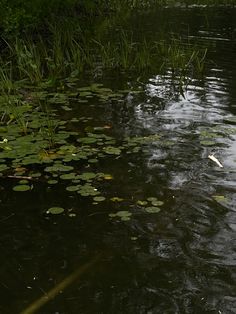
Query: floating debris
x=213 y=158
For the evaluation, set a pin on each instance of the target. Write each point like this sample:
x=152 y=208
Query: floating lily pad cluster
x=123 y=215
x=28 y=138
x=81 y=94
x=32 y=136
x=216 y=134
x=151 y=204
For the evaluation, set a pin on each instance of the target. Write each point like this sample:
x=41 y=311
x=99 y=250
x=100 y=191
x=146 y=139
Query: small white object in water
x=213 y=158
x=5 y=140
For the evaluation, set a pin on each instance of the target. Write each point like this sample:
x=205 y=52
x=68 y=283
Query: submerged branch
x=35 y=306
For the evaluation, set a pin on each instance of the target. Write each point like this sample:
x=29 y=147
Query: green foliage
x=18 y=15
x=24 y=15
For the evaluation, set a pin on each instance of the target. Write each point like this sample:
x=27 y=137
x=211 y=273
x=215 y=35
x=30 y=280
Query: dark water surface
x=181 y=260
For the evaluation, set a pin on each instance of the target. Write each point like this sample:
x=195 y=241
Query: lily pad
x=112 y=150
x=88 y=190
x=3 y=167
x=87 y=140
x=52 y=181
x=87 y=176
x=68 y=176
x=157 y=203
x=21 y=188
x=58 y=168
x=142 y=203
x=93 y=161
x=107 y=177
x=207 y=143
x=55 y=210
x=152 y=199
x=24 y=182
x=116 y=199
x=152 y=209
x=99 y=198
x=124 y=215
x=73 y=188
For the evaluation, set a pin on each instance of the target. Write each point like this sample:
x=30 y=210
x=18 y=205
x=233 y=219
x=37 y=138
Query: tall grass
x=38 y=59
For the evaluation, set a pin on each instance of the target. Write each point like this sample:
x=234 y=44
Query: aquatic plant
x=67 y=53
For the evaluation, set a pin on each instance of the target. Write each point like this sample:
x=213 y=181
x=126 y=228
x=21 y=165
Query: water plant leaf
x=142 y=203
x=52 y=181
x=116 y=199
x=125 y=218
x=68 y=176
x=123 y=213
x=3 y=167
x=219 y=198
x=93 y=161
x=152 y=199
x=152 y=209
x=157 y=203
x=88 y=190
x=207 y=143
x=87 y=140
x=107 y=177
x=112 y=150
x=21 y=188
x=87 y=176
x=73 y=188
x=58 y=168
x=55 y=210
x=35 y=175
x=99 y=198
x=24 y=181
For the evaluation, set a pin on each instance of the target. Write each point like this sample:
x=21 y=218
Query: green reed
x=38 y=60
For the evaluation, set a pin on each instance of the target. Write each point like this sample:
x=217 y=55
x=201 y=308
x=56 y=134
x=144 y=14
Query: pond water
x=170 y=245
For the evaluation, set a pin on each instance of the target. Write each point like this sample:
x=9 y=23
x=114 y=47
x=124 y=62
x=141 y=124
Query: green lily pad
x=3 y=167
x=87 y=176
x=99 y=198
x=21 y=188
x=55 y=210
x=142 y=203
x=125 y=218
x=207 y=143
x=25 y=182
x=116 y=199
x=93 y=161
x=157 y=203
x=88 y=190
x=58 y=168
x=152 y=209
x=35 y=175
x=112 y=150
x=87 y=140
x=73 y=188
x=52 y=181
x=68 y=176
x=124 y=215
x=152 y=199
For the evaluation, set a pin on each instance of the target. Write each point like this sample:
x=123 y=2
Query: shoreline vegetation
x=37 y=46
x=42 y=61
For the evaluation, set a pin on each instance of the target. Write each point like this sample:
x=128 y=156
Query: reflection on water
x=181 y=260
